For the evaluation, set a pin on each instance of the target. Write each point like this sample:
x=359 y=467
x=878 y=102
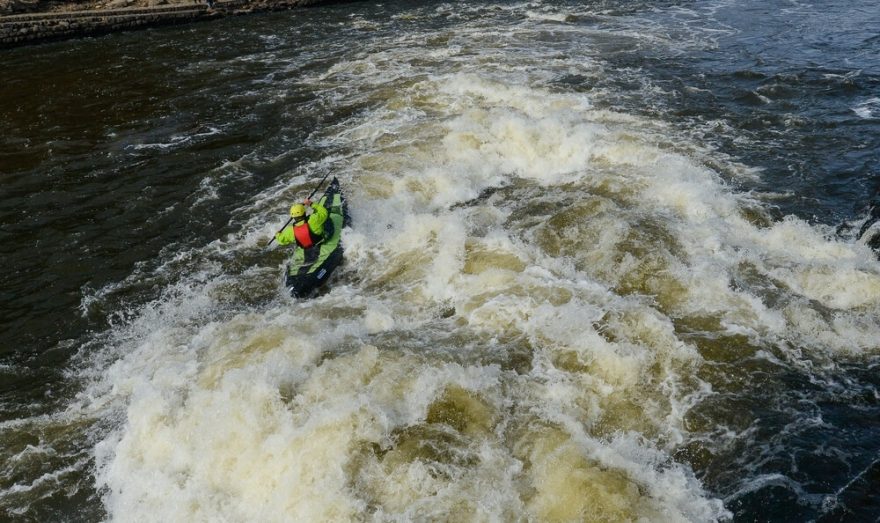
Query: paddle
x=309 y=197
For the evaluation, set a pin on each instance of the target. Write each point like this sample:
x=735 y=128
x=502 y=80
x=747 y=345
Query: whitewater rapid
x=544 y=301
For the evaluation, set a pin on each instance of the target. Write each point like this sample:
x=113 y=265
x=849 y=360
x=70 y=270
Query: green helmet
x=297 y=211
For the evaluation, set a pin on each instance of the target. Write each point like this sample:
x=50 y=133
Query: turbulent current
x=608 y=261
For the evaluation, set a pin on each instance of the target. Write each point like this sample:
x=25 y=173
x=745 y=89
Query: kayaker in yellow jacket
x=307 y=230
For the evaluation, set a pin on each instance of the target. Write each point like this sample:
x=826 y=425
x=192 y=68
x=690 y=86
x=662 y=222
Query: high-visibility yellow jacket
x=315 y=222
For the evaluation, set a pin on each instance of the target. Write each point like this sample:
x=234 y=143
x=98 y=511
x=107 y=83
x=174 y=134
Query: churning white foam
x=868 y=109
x=503 y=342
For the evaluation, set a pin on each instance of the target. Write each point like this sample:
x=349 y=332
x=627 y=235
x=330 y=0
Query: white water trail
x=503 y=343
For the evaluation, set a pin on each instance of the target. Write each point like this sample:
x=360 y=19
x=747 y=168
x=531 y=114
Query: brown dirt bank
x=24 y=22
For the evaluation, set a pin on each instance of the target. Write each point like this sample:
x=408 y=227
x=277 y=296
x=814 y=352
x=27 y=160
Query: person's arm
x=318 y=217
x=285 y=237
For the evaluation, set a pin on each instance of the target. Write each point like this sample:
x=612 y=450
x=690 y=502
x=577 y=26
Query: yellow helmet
x=297 y=211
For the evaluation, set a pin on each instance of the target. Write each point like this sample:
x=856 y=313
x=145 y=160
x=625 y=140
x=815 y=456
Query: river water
x=609 y=261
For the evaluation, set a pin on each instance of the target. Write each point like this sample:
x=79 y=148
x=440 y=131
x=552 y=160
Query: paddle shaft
x=309 y=197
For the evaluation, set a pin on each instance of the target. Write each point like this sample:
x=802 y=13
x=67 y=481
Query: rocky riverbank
x=26 y=22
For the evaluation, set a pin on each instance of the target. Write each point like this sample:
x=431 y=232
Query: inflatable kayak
x=310 y=268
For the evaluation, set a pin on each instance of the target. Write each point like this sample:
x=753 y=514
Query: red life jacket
x=304 y=235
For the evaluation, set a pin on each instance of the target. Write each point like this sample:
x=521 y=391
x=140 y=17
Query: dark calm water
x=611 y=260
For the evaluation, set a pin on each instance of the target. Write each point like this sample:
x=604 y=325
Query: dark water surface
x=141 y=174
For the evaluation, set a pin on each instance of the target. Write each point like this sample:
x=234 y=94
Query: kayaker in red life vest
x=307 y=230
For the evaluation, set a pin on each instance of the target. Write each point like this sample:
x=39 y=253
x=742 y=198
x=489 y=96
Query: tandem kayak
x=308 y=269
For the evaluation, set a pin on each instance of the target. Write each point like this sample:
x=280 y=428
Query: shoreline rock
x=61 y=21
